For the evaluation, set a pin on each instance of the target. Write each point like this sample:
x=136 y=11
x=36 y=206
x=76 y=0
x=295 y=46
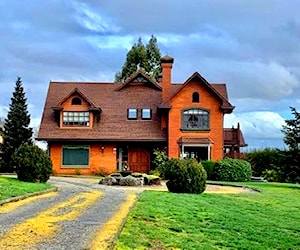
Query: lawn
x=11 y=187
x=266 y=220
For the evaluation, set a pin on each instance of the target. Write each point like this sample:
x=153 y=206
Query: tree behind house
x=146 y=57
x=291 y=131
x=16 y=129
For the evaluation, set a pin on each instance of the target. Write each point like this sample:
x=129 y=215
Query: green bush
x=184 y=176
x=209 y=168
x=232 y=170
x=286 y=164
x=160 y=159
x=271 y=175
x=32 y=164
x=262 y=159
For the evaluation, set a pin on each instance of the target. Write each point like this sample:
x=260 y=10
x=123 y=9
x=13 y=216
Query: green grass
x=11 y=187
x=266 y=220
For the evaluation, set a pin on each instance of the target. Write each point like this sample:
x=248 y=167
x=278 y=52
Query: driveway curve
x=81 y=215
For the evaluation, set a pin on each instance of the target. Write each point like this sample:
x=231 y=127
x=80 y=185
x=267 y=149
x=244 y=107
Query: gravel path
x=76 y=233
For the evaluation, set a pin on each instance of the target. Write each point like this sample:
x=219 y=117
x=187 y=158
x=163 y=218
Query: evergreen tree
x=291 y=131
x=153 y=56
x=147 y=58
x=16 y=129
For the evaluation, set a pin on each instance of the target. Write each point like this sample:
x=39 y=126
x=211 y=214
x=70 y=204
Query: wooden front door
x=139 y=160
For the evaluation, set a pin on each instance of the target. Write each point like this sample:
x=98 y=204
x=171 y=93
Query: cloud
x=263 y=125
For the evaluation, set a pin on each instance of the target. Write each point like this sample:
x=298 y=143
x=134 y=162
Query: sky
x=252 y=46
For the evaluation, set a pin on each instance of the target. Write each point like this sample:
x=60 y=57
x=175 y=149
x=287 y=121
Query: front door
x=139 y=160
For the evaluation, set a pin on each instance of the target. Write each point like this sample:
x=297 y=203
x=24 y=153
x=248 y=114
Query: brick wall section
x=208 y=101
x=100 y=163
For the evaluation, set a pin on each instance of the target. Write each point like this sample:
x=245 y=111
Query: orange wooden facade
x=208 y=101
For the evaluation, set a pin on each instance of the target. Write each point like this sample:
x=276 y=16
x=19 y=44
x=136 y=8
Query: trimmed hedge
x=232 y=170
x=209 y=168
x=33 y=164
x=184 y=176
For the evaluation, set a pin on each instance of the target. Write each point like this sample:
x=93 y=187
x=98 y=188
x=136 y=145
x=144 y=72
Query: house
x=102 y=127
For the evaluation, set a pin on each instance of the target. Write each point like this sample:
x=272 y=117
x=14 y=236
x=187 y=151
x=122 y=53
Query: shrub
x=184 y=176
x=232 y=170
x=160 y=159
x=262 y=159
x=33 y=164
x=209 y=168
x=271 y=175
x=286 y=164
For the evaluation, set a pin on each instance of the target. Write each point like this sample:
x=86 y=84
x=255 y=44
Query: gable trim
x=140 y=72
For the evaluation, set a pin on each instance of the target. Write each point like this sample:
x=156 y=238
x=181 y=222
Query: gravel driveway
x=67 y=219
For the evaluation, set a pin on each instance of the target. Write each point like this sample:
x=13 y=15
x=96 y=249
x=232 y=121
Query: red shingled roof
x=113 y=99
x=234 y=137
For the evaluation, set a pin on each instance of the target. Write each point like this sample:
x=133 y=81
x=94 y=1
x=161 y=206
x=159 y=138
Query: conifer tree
x=16 y=130
x=147 y=58
x=291 y=131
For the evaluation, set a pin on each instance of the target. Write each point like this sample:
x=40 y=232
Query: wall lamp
x=102 y=149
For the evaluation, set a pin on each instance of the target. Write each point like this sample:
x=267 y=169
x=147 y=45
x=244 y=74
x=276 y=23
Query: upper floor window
x=195 y=119
x=74 y=118
x=195 y=97
x=146 y=114
x=76 y=101
x=132 y=114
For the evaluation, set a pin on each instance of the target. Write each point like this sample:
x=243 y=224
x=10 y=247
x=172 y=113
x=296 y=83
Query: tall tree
x=146 y=57
x=291 y=131
x=153 y=56
x=16 y=130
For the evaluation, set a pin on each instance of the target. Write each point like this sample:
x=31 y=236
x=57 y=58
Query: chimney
x=166 y=66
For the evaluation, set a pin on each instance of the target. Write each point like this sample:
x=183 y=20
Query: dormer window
x=132 y=114
x=74 y=118
x=76 y=101
x=195 y=97
x=146 y=114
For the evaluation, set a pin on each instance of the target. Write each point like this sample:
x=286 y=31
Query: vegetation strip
x=25 y=196
x=105 y=238
x=7 y=206
x=45 y=224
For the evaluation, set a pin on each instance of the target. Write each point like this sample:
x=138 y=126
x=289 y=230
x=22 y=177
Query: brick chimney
x=166 y=66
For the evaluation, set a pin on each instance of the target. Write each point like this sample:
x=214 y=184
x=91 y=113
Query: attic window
x=132 y=114
x=76 y=101
x=146 y=114
x=195 y=97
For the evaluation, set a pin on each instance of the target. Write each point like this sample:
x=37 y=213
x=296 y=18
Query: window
x=72 y=118
x=132 y=114
x=195 y=119
x=195 y=97
x=75 y=155
x=76 y=101
x=146 y=114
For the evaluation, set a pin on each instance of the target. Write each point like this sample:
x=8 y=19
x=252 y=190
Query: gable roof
x=234 y=137
x=219 y=90
x=135 y=78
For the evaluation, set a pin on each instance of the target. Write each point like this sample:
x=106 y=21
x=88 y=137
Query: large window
x=76 y=118
x=75 y=155
x=195 y=119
